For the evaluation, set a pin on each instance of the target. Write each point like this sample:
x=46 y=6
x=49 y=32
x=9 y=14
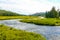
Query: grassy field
x=34 y=20
x=45 y=21
x=9 y=33
x=16 y=17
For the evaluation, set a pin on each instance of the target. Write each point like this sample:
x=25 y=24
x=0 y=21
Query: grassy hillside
x=8 y=33
x=8 y=13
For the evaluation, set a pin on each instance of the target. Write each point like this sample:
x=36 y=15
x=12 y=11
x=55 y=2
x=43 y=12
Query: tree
x=59 y=13
x=53 y=13
x=46 y=14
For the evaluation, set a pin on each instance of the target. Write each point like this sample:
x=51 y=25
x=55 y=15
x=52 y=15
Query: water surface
x=50 y=32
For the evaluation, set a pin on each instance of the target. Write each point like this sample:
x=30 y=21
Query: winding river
x=50 y=32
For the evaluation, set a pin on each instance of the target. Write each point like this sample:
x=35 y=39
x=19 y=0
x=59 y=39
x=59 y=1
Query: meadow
x=44 y=21
x=34 y=20
x=9 y=33
x=16 y=17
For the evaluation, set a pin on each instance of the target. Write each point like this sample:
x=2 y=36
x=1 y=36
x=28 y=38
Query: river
x=50 y=32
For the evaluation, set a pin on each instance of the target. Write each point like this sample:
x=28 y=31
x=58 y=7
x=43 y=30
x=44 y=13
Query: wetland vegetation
x=9 y=33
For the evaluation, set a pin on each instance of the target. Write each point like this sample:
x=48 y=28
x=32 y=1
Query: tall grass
x=9 y=33
x=45 y=21
x=16 y=17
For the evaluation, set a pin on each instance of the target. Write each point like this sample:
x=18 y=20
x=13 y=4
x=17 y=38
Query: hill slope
x=8 y=13
x=39 y=14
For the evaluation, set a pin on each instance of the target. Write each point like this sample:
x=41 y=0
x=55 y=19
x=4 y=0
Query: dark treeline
x=53 y=13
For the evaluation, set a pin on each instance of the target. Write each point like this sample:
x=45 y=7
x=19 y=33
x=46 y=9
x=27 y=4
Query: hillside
x=8 y=13
x=9 y=33
x=39 y=14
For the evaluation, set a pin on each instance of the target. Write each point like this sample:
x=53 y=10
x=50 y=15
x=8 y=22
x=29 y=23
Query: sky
x=29 y=6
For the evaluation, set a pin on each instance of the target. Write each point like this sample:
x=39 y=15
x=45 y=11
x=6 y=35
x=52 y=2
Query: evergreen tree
x=53 y=13
x=59 y=13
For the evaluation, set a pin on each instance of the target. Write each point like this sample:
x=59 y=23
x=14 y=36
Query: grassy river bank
x=9 y=33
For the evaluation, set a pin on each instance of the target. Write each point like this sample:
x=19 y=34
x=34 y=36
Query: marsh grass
x=16 y=17
x=45 y=21
x=9 y=33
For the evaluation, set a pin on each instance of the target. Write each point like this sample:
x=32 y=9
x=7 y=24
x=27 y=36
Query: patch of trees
x=53 y=13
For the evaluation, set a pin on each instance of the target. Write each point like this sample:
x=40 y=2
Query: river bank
x=45 y=21
x=10 y=33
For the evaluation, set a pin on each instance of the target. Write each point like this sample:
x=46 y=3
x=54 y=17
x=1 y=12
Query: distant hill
x=8 y=13
x=39 y=14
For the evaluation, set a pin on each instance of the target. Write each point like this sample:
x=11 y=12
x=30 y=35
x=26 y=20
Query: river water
x=50 y=32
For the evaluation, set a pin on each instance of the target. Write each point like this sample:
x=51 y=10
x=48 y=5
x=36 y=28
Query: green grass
x=9 y=33
x=16 y=17
x=45 y=21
